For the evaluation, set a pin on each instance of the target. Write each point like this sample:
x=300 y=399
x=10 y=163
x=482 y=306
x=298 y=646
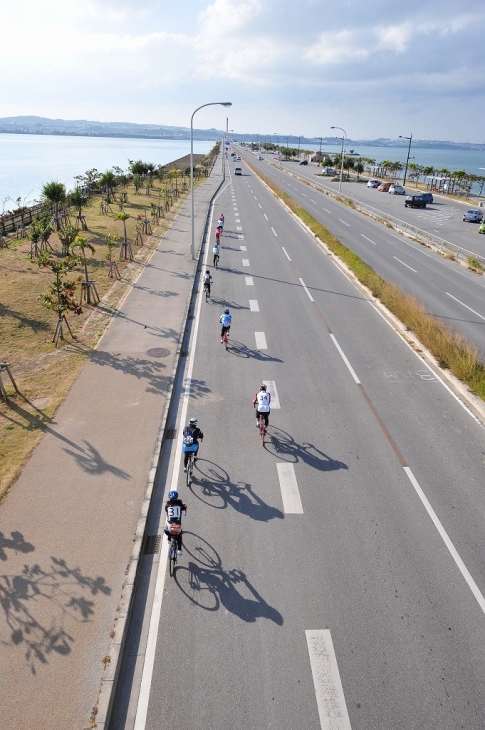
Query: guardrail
x=422 y=236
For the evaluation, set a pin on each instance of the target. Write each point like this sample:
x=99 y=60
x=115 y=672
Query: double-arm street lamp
x=212 y=103
x=401 y=136
x=342 y=160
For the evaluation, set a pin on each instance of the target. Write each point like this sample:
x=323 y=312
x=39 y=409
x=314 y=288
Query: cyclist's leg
x=195 y=452
x=179 y=542
x=266 y=419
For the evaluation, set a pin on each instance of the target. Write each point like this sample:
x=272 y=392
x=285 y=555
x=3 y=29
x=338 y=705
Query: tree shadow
x=282 y=445
x=211 y=587
x=219 y=492
x=91 y=461
x=36 y=325
x=199 y=388
x=25 y=596
x=31 y=421
x=15 y=542
x=140 y=368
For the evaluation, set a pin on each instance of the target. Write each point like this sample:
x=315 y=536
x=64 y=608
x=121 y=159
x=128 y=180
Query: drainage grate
x=170 y=433
x=184 y=353
x=152 y=544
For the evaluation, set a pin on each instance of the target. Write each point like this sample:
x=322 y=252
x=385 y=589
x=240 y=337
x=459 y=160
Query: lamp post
x=342 y=160
x=320 y=153
x=277 y=134
x=299 y=147
x=287 y=149
x=401 y=136
x=212 y=103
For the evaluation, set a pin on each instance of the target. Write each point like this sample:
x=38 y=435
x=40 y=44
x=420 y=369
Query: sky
x=373 y=67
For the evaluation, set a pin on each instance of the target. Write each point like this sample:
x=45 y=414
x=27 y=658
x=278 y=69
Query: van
x=237 y=171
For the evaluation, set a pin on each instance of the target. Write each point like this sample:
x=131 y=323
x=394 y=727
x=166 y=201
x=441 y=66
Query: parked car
x=397 y=190
x=329 y=171
x=383 y=187
x=373 y=183
x=237 y=171
x=260 y=157
x=473 y=216
x=427 y=196
x=303 y=162
x=414 y=201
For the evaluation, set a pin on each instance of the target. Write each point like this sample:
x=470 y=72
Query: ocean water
x=27 y=161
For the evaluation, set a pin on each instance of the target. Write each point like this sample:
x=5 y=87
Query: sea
x=28 y=161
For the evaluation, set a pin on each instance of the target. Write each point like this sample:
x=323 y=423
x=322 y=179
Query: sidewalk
x=67 y=527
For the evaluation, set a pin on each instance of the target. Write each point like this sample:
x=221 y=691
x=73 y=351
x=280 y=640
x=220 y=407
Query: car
x=329 y=171
x=237 y=171
x=473 y=216
x=383 y=187
x=260 y=157
x=303 y=162
x=427 y=196
x=482 y=228
x=237 y=158
x=373 y=183
x=396 y=190
x=414 y=201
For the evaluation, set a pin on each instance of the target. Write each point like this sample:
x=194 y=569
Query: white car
x=237 y=171
x=373 y=183
x=237 y=158
x=397 y=190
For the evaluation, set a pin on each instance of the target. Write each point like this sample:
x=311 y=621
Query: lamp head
x=226 y=103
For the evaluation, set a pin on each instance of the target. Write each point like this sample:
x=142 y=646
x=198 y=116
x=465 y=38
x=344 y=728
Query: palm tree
x=82 y=243
x=108 y=181
x=79 y=200
x=359 y=168
x=55 y=193
x=123 y=217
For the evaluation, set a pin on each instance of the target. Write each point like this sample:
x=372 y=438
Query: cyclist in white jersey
x=262 y=401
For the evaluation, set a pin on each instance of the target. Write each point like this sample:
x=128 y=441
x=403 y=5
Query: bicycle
x=262 y=427
x=172 y=554
x=190 y=467
x=207 y=291
x=215 y=263
x=225 y=338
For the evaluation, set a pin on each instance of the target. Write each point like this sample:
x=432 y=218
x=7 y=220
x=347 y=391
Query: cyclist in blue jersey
x=225 y=321
x=191 y=437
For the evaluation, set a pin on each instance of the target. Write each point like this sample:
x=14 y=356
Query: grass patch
x=450 y=348
x=475 y=265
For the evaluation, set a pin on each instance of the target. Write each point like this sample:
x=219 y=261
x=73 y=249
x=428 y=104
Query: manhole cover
x=158 y=352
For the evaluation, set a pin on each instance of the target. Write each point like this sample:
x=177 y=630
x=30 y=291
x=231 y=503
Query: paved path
x=68 y=525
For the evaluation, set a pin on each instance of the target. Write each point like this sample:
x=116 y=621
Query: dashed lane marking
x=305 y=288
x=260 y=338
x=245 y=262
x=249 y=281
x=368 y=239
x=253 y=305
x=274 y=231
x=286 y=253
x=402 y=262
x=332 y=708
x=289 y=489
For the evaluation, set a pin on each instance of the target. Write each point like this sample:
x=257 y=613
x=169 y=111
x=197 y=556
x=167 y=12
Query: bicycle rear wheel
x=172 y=556
x=262 y=428
x=190 y=466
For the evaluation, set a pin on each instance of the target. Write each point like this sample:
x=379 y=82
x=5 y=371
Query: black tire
x=172 y=559
x=189 y=470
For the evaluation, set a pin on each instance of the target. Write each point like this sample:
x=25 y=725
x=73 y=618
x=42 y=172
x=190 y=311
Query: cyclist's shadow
x=241 y=350
x=282 y=445
x=217 y=490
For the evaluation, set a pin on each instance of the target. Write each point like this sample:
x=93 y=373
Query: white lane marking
x=286 y=253
x=240 y=237
x=344 y=358
x=402 y=262
x=265 y=216
x=289 y=489
x=274 y=231
x=327 y=210
x=368 y=239
x=245 y=262
x=249 y=281
x=238 y=228
x=332 y=708
x=275 y=401
x=444 y=536
x=464 y=305
x=260 y=338
x=304 y=195
x=253 y=305
x=238 y=220
x=436 y=230
x=305 y=288
x=260 y=205
x=345 y=224
x=243 y=248
x=313 y=201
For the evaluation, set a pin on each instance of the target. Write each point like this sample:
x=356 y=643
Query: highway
x=446 y=289
x=335 y=578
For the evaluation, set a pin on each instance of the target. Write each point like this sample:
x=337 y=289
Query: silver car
x=473 y=216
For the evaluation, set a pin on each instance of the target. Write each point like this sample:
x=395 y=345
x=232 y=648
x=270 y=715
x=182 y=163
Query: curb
x=112 y=661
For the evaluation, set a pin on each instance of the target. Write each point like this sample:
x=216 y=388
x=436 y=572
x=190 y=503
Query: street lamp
x=212 y=103
x=342 y=160
x=401 y=136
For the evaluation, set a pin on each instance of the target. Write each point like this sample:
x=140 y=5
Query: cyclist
x=207 y=283
x=225 y=321
x=173 y=520
x=218 y=234
x=262 y=401
x=216 y=251
x=220 y=224
x=192 y=434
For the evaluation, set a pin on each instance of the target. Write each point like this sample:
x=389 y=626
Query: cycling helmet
x=173 y=495
x=207 y=271
x=262 y=386
x=226 y=311
x=193 y=421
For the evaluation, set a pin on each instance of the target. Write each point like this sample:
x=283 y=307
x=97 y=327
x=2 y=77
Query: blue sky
x=374 y=67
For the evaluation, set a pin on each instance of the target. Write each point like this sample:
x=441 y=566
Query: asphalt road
x=447 y=290
x=333 y=579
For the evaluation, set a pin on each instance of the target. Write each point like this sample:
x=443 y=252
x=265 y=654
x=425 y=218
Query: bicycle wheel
x=172 y=556
x=190 y=465
x=226 y=339
x=262 y=428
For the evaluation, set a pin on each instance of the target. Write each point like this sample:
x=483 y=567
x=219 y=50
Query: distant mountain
x=84 y=128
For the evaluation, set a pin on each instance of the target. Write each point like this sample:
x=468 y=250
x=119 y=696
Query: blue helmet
x=173 y=495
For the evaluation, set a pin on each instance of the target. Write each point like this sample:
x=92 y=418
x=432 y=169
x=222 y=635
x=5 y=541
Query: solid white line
x=402 y=262
x=368 y=239
x=289 y=489
x=275 y=401
x=260 y=338
x=332 y=708
x=286 y=254
x=344 y=358
x=148 y=664
x=243 y=248
x=274 y=231
x=245 y=262
x=444 y=536
x=249 y=280
x=345 y=224
x=464 y=305
x=253 y=305
x=265 y=216
x=309 y=295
